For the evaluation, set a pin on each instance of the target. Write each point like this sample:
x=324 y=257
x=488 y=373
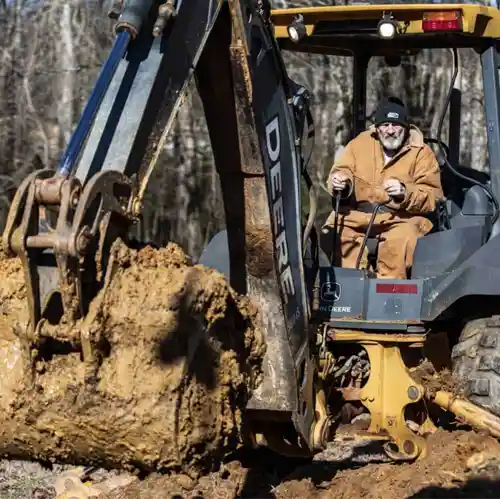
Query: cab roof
x=345 y=30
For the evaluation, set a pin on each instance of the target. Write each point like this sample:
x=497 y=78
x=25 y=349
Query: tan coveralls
x=415 y=165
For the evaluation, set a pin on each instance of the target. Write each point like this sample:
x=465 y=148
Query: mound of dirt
x=435 y=380
x=176 y=354
x=443 y=473
x=456 y=466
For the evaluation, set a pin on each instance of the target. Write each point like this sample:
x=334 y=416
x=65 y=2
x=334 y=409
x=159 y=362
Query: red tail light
x=450 y=20
x=409 y=289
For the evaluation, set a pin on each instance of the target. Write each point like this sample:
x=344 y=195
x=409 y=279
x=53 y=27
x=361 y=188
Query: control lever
x=369 y=228
x=338 y=195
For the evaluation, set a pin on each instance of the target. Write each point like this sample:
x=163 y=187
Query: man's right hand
x=339 y=181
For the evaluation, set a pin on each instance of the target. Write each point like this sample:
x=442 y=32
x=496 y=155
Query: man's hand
x=339 y=181
x=394 y=188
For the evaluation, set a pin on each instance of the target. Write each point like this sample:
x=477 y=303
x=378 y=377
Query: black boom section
x=274 y=123
x=242 y=86
x=275 y=127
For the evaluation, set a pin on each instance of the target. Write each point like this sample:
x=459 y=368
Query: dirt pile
x=443 y=473
x=435 y=380
x=177 y=354
x=460 y=464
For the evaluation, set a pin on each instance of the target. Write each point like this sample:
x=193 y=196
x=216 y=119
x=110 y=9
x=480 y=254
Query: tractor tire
x=476 y=361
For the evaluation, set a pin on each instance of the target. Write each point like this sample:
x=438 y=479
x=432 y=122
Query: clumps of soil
x=443 y=470
x=459 y=464
x=434 y=380
x=220 y=485
x=13 y=288
x=176 y=355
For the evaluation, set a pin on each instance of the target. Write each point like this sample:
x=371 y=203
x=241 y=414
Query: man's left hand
x=394 y=188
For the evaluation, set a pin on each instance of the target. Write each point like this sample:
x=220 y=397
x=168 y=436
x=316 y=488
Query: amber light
x=450 y=20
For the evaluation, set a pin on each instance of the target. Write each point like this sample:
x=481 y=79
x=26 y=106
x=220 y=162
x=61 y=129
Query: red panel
x=409 y=289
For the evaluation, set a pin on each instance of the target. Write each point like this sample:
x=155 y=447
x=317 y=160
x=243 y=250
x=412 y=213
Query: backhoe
x=333 y=337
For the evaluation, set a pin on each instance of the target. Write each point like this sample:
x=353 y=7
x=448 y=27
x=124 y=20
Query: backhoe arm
x=62 y=224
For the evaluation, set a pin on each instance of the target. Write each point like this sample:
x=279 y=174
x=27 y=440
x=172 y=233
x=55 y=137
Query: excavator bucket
x=118 y=354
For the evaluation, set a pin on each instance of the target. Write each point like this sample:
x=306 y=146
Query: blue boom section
x=139 y=89
x=103 y=82
x=134 y=101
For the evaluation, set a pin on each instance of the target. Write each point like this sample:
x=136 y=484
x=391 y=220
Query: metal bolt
x=75 y=198
x=137 y=207
x=413 y=392
x=408 y=447
x=83 y=239
x=166 y=12
x=116 y=9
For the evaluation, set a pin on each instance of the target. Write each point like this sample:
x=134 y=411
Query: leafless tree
x=50 y=56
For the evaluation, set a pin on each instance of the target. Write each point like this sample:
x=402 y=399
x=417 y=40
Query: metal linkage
x=52 y=254
x=80 y=214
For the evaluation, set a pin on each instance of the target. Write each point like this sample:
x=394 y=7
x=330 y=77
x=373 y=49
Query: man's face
x=391 y=135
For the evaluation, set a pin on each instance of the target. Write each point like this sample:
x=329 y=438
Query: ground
x=460 y=464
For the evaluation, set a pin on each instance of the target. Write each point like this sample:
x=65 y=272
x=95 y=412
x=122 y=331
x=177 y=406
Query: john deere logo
x=331 y=291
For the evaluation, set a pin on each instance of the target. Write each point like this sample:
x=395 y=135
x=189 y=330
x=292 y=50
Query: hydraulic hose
x=108 y=70
x=127 y=27
x=443 y=152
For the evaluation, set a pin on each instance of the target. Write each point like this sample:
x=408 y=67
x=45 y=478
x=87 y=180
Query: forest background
x=51 y=53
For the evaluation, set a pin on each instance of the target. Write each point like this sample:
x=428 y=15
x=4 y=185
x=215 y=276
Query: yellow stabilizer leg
x=389 y=390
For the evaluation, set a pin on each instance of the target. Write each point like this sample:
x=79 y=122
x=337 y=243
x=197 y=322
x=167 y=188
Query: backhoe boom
x=98 y=189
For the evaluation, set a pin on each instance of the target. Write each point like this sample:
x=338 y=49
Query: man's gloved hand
x=339 y=181
x=394 y=188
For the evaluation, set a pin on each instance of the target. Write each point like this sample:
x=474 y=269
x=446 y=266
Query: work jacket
x=415 y=165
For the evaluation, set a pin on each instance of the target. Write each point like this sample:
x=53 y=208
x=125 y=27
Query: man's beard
x=392 y=143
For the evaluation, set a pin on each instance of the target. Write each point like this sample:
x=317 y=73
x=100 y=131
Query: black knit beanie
x=391 y=110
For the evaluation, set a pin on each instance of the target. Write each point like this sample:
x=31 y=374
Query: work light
x=387 y=27
x=296 y=29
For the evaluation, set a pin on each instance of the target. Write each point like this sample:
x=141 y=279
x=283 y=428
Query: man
x=389 y=163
